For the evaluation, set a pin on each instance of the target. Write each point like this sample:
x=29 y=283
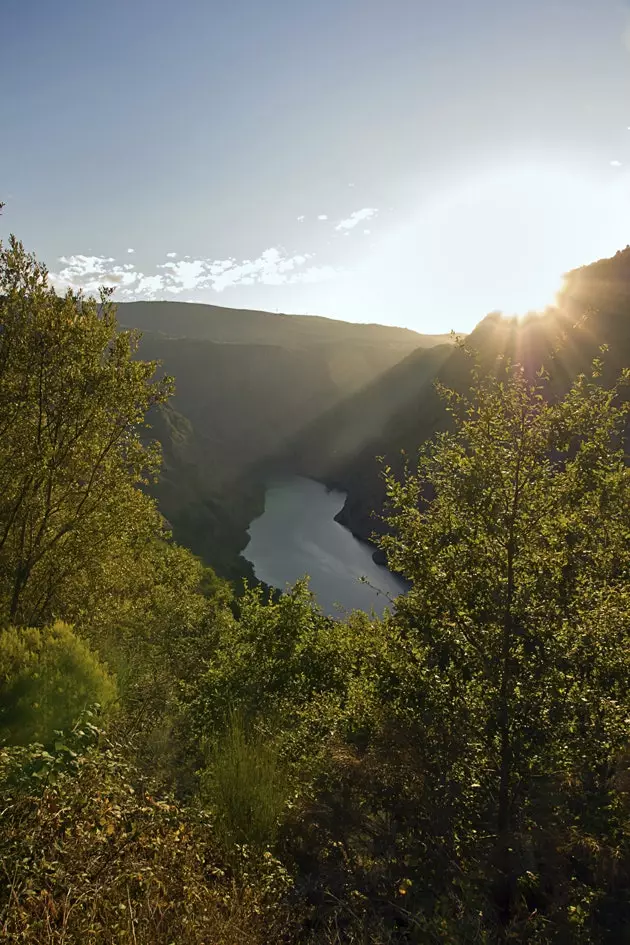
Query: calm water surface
x=297 y=535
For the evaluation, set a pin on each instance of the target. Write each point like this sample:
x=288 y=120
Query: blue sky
x=407 y=161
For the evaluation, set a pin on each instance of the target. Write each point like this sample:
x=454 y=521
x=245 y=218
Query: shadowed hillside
x=247 y=383
x=246 y=326
x=593 y=310
x=260 y=394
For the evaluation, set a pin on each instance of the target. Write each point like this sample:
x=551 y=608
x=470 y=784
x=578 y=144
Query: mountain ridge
x=268 y=394
x=237 y=326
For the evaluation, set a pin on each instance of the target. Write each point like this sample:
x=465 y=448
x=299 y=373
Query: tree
x=515 y=534
x=73 y=399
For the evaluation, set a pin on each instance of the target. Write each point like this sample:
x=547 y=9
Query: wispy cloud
x=615 y=164
x=355 y=218
x=131 y=250
x=301 y=218
x=323 y=216
x=187 y=276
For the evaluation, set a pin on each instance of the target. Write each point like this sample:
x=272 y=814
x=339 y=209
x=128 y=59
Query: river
x=297 y=535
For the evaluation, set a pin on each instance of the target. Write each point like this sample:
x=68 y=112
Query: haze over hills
x=248 y=326
x=247 y=382
x=593 y=310
x=261 y=394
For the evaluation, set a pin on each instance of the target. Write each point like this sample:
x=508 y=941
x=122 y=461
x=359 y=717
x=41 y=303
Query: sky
x=411 y=162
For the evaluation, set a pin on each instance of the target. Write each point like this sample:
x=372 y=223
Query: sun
x=500 y=238
x=506 y=237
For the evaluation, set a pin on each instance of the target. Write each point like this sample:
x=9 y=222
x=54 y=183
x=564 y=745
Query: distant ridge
x=249 y=326
x=260 y=394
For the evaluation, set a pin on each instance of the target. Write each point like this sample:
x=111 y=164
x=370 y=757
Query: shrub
x=90 y=856
x=245 y=784
x=47 y=678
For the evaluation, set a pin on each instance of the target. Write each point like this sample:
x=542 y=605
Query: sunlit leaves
x=73 y=399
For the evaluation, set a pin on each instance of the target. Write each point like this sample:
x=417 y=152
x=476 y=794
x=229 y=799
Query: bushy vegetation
x=179 y=764
x=49 y=677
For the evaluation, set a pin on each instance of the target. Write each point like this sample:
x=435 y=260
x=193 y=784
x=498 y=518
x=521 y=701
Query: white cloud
x=149 y=287
x=91 y=272
x=323 y=216
x=301 y=218
x=220 y=265
x=366 y=232
x=273 y=267
x=183 y=275
x=355 y=218
x=131 y=250
x=615 y=163
x=171 y=255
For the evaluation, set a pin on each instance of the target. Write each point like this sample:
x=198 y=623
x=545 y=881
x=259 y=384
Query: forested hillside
x=260 y=394
x=248 y=382
x=179 y=764
x=341 y=448
x=242 y=326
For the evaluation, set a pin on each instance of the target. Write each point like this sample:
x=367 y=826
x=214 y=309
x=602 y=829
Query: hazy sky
x=416 y=162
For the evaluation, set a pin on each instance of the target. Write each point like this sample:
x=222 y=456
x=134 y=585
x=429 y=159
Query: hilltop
x=249 y=326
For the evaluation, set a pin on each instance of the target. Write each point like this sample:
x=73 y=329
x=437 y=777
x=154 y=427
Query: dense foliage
x=71 y=400
x=179 y=764
x=520 y=577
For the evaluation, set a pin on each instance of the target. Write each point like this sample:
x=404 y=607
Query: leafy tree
x=519 y=611
x=72 y=401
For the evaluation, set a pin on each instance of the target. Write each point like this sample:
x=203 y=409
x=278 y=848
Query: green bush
x=47 y=678
x=246 y=786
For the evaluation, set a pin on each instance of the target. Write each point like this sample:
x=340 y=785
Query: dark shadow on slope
x=334 y=436
x=238 y=403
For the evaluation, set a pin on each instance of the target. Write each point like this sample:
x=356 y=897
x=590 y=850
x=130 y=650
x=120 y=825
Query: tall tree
x=515 y=533
x=73 y=400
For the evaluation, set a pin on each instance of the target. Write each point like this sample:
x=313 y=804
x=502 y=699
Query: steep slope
x=326 y=447
x=593 y=310
x=208 y=517
x=259 y=393
x=246 y=384
x=234 y=406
